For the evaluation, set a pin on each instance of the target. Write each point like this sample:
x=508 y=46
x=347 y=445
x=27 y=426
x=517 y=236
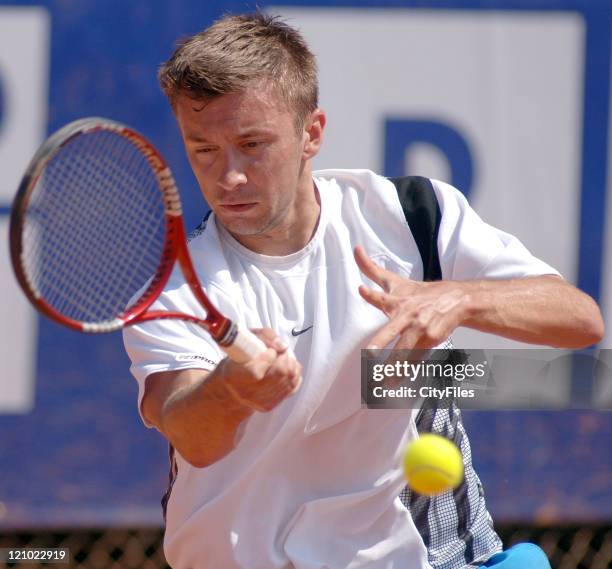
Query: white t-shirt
x=313 y=484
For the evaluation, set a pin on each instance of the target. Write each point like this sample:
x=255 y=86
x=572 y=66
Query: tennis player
x=275 y=463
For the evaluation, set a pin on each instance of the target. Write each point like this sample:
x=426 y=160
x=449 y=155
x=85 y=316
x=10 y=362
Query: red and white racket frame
x=238 y=342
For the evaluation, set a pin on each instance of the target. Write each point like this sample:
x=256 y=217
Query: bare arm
x=201 y=412
x=539 y=310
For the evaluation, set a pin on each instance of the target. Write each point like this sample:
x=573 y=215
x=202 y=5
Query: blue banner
x=73 y=451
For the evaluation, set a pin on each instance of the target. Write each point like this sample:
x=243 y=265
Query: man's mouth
x=237 y=207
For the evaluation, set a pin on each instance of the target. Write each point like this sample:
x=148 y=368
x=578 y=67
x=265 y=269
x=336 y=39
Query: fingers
x=295 y=375
x=285 y=374
x=376 y=298
x=270 y=338
x=259 y=366
x=391 y=330
x=370 y=269
x=409 y=336
x=265 y=381
x=422 y=328
x=419 y=331
x=282 y=379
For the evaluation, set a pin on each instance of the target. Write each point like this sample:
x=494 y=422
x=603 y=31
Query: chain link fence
x=567 y=547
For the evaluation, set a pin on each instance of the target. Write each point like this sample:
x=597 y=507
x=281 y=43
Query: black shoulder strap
x=420 y=205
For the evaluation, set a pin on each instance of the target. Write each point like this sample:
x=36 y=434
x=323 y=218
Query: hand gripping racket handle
x=245 y=345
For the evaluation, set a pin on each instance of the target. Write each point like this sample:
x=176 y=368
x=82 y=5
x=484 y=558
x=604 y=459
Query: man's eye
x=204 y=150
x=251 y=144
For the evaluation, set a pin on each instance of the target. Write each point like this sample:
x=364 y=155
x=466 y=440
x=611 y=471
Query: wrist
x=238 y=400
x=473 y=301
x=227 y=396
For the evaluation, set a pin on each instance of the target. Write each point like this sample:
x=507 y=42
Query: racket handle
x=245 y=346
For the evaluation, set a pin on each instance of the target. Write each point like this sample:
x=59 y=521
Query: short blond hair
x=239 y=51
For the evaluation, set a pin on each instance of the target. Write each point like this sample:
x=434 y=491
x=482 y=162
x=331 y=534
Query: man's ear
x=313 y=133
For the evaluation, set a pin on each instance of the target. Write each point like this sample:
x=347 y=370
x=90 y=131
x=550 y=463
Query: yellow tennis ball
x=432 y=465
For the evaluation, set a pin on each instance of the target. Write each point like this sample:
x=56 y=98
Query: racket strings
x=95 y=227
x=91 y=291
x=62 y=218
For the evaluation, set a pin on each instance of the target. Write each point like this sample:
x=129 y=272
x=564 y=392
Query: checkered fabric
x=455 y=526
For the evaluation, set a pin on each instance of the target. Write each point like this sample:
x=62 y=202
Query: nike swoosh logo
x=296 y=332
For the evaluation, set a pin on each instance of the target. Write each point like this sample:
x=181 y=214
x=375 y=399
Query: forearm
x=538 y=310
x=202 y=420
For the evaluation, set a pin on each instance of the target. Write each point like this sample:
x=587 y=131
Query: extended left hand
x=422 y=314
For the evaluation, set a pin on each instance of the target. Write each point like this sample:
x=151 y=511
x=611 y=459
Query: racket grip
x=245 y=346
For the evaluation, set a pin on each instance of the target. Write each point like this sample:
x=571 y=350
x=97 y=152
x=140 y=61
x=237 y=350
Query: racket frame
x=221 y=328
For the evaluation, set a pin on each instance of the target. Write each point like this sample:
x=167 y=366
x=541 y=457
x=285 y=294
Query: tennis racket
x=96 y=229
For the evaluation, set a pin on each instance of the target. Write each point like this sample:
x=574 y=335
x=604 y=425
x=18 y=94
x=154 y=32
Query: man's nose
x=232 y=174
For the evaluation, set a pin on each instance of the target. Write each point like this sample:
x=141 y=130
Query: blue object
x=519 y=556
x=401 y=134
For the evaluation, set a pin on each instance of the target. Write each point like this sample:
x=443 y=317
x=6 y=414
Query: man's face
x=247 y=157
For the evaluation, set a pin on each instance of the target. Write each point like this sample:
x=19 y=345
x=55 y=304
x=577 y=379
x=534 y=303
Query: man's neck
x=293 y=233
